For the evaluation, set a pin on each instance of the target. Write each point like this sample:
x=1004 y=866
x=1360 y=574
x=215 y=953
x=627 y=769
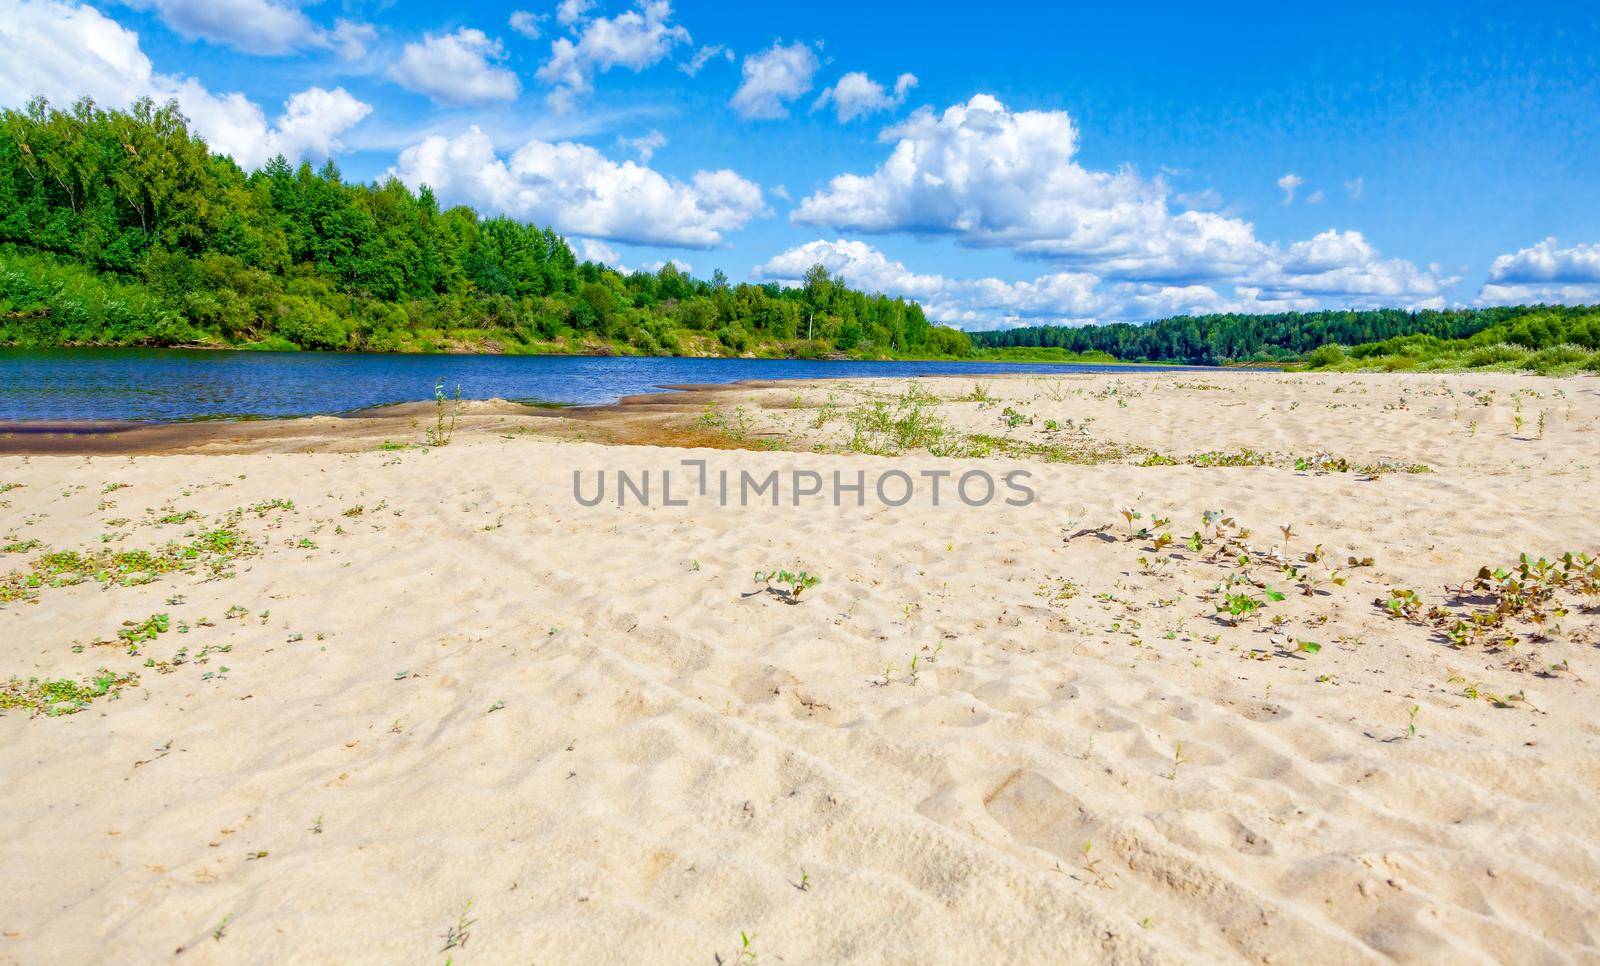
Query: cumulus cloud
x=704 y=56
x=455 y=68
x=992 y=177
x=64 y=51
x=634 y=39
x=987 y=176
x=774 y=78
x=1344 y=267
x=258 y=26
x=590 y=250
x=1341 y=265
x=981 y=302
x=526 y=24
x=581 y=192
x=312 y=121
x=1289 y=183
x=857 y=95
x=1545 y=273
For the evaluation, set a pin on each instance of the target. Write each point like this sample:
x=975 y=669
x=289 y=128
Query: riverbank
x=363 y=694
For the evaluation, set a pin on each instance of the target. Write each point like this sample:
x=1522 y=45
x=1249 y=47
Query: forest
x=123 y=228
x=1381 y=338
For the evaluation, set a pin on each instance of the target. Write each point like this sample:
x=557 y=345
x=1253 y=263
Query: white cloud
x=1355 y=188
x=1289 y=183
x=312 y=121
x=857 y=95
x=1545 y=262
x=981 y=303
x=990 y=177
x=455 y=68
x=1340 y=267
x=526 y=24
x=64 y=51
x=1545 y=273
x=257 y=26
x=635 y=39
x=645 y=145
x=1316 y=197
x=772 y=79
x=704 y=56
x=1344 y=267
x=569 y=12
x=351 y=39
x=579 y=191
x=589 y=250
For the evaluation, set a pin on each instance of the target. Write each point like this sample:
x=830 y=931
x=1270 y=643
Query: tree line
x=1287 y=336
x=123 y=228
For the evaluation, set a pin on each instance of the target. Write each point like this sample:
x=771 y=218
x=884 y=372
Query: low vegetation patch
x=58 y=696
x=212 y=552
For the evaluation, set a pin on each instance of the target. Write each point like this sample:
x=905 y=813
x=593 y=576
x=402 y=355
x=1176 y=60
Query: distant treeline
x=1290 y=336
x=1547 y=339
x=122 y=228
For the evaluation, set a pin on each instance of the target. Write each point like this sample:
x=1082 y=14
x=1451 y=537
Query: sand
x=442 y=711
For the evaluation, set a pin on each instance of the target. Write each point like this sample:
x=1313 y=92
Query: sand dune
x=434 y=708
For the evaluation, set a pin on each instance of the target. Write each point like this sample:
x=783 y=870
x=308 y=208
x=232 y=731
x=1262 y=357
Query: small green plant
x=1411 y=724
x=1092 y=867
x=1012 y=418
x=1243 y=605
x=446 y=410
x=787 y=585
x=457 y=935
x=1177 y=759
x=133 y=632
x=1401 y=602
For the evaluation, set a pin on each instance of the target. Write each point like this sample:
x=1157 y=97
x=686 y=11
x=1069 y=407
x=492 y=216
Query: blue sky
x=1043 y=162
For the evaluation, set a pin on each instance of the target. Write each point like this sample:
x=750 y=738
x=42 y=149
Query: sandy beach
x=1206 y=695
